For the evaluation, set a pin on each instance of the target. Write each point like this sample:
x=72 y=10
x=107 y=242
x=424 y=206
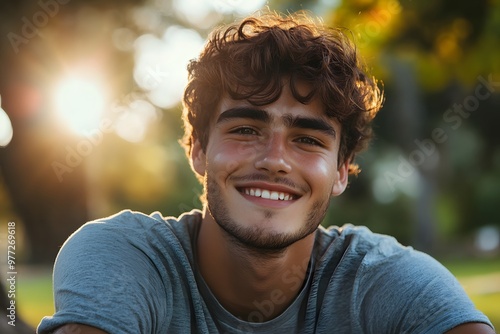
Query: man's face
x=270 y=171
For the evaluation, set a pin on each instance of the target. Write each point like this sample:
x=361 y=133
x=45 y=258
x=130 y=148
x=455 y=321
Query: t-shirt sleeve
x=410 y=292
x=104 y=280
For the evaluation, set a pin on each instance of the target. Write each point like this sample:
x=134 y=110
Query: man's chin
x=262 y=238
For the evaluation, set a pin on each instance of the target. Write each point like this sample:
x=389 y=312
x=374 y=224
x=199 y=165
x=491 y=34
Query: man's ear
x=342 y=179
x=198 y=158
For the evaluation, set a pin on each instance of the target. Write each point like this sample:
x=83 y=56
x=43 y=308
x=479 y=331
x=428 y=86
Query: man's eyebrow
x=310 y=123
x=290 y=121
x=244 y=112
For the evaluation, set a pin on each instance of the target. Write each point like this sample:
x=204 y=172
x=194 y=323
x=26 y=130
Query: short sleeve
x=410 y=292
x=102 y=279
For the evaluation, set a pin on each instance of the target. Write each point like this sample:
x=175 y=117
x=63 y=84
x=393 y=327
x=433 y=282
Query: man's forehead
x=314 y=108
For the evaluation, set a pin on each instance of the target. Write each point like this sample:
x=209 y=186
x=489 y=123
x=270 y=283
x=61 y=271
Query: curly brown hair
x=249 y=60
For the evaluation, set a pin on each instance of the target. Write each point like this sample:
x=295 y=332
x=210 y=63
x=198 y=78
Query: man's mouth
x=268 y=194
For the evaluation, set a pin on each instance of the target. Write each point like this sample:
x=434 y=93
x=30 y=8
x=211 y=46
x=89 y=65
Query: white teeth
x=273 y=195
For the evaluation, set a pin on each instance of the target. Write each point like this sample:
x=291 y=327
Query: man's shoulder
x=139 y=263
x=151 y=234
x=372 y=256
x=137 y=224
x=358 y=239
x=358 y=249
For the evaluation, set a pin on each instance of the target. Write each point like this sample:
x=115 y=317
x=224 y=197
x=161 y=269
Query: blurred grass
x=35 y=290
x=490 y=305
x=481 y=280
x=34 y=294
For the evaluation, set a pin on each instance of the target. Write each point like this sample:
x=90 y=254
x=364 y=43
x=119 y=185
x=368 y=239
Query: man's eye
x=244 y=131
x=308 y=141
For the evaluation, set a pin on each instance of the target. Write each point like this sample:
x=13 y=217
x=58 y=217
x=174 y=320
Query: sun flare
x=80 y=102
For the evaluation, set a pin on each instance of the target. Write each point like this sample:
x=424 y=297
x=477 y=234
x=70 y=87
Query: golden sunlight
x=80 y=102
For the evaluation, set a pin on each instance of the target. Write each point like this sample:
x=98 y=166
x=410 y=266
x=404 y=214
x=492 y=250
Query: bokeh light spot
x=487 y=238
x=132 y=125
x=161 y=64
x=6 y=131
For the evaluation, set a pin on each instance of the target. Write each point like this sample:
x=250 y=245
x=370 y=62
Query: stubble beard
x=255 y=238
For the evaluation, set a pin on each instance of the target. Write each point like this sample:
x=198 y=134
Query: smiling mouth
x=268 y=194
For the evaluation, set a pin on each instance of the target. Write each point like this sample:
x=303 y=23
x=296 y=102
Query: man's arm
x=472 y=328
x=78 y=329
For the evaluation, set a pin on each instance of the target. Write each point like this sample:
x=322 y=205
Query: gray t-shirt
x=133 y=273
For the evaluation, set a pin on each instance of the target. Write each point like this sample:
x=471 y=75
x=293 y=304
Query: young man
x=275 y=110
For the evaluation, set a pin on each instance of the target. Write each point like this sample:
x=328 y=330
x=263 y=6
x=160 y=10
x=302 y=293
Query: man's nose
x=274 y=156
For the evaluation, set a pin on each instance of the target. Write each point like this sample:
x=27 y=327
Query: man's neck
x=251 y=285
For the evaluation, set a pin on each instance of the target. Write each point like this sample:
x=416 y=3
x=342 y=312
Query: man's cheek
x=223 y=164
